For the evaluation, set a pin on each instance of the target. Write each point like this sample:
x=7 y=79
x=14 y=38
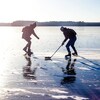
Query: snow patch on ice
x=84 y=68
x=69 y=97
x=58 y=91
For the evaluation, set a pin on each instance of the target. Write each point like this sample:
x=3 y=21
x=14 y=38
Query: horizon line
x=53 y=21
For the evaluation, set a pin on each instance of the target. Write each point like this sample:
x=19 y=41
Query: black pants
x=71 y=43
x=28 y=45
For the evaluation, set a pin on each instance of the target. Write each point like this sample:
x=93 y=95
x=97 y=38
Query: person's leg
x=28 y=45
x=73 y=47
x=25 y=48
x=75 y=52
x=29 y=48
x=68 y=48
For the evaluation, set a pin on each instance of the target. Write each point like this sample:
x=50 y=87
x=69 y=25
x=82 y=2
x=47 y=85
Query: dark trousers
x=71 y=43
x=28 y=45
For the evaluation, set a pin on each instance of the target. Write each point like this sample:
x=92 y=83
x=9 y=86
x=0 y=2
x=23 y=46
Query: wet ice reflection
x=28 y=72
x=69 y=72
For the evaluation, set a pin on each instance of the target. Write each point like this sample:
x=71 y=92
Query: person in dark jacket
x=71 y=35
x=27 y=32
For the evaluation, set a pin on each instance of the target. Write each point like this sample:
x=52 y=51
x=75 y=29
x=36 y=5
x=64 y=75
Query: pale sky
x=50 y=10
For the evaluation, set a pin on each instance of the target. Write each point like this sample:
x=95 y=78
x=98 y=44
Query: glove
x=38 y=38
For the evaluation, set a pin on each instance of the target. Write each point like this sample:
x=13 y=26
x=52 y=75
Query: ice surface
x=36 y=78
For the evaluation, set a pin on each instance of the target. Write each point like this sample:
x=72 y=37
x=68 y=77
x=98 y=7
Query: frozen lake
x=35 y=79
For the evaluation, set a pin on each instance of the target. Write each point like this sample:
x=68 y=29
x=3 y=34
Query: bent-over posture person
x=27 y=32
x=71 y=35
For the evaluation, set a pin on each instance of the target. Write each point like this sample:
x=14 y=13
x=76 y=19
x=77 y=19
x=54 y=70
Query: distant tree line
x=56 y=23
x=52 y=23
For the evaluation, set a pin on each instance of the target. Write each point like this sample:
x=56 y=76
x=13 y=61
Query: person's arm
x=35 y=35
x=64 y=41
